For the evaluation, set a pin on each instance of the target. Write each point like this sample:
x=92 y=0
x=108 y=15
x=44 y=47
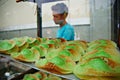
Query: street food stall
x=29 y=49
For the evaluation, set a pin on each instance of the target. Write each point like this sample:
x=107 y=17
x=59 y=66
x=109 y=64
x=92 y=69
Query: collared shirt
x=66 y=32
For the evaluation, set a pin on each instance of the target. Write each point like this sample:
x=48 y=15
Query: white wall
x=100 y=20
x=17 y=15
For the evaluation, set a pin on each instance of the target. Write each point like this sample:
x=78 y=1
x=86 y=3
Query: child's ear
x=65 y=15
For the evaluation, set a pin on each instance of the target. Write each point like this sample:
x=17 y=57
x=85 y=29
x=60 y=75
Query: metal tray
x=31 y=65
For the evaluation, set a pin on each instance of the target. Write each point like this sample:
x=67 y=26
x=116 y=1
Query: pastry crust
x=12 y=49
x=58 y=69
x=34 y=55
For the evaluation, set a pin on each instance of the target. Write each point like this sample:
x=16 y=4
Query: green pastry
x=44 y=49
x=35 y=76
x=58 y=64
x=32 y=41
x=113 y=54
x=28 y=77
x=97 y=67
x=8 y=46
x=27 y=55
x=101 y=43
x=21 y=43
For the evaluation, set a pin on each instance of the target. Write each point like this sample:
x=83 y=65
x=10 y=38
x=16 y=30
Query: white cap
x=59 y=8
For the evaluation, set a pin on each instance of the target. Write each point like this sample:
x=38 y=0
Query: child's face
x=58 y=18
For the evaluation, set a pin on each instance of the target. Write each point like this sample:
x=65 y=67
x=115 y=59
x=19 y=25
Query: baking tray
x=32 y=65
x=20 y=76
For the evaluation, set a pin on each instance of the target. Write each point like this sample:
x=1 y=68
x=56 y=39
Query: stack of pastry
x=101 y=43
x=58 y=64
x=75 y=50
x=70 y=49
x=96 y=59
x=21 y=43
x=56 y=43
x=8 y=47
x=81 y=43
x=27 y=55
x=32 y=41
x=35 y=76
x=41 y=76
x=101 y=61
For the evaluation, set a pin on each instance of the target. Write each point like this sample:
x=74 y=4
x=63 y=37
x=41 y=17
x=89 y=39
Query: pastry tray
x=31 y=65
